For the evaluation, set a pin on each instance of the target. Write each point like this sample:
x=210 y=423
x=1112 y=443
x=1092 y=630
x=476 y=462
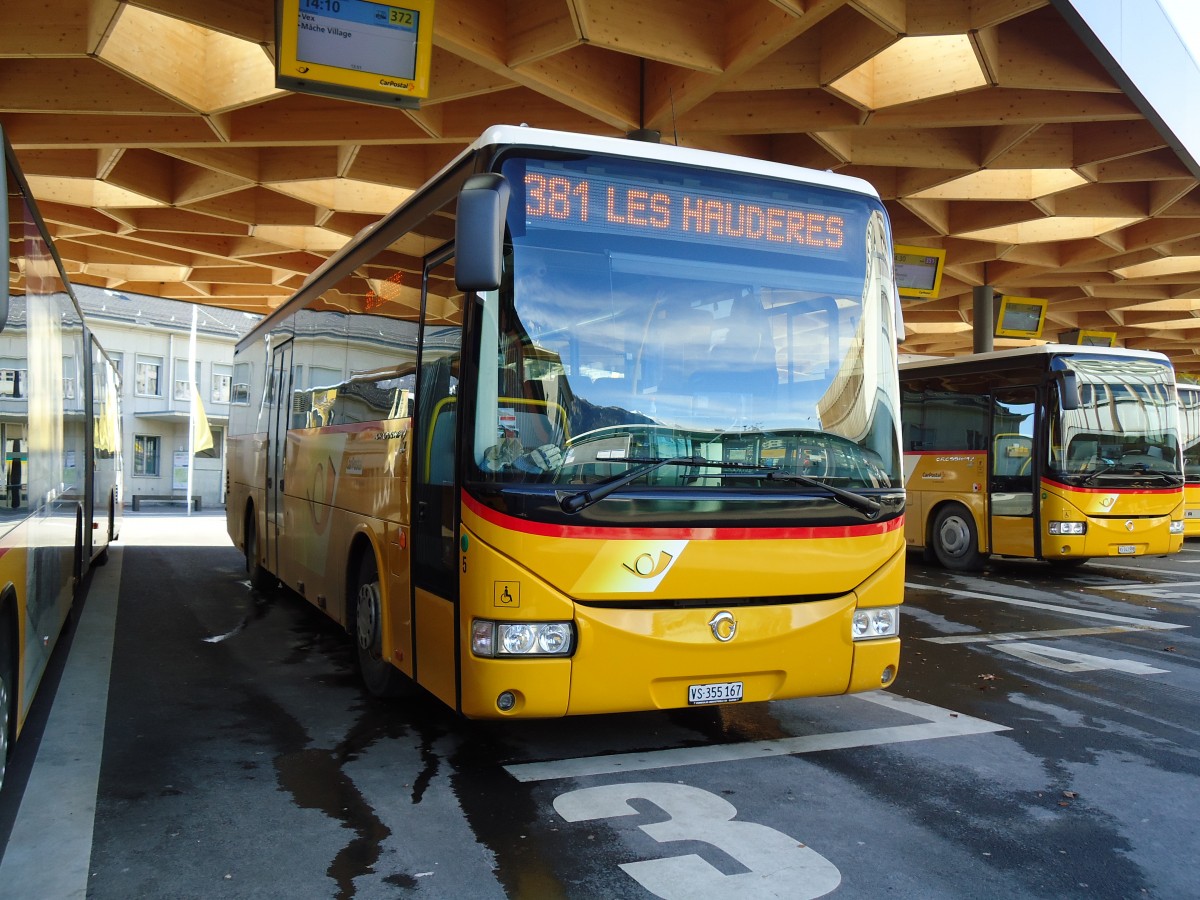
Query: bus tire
x=102 y=557
x=8 y=690
x=956 y=540
x=260 y=578
x=381 y=678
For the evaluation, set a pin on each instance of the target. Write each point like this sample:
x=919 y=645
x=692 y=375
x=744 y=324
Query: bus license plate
x=1126 y=548
x=721 y=692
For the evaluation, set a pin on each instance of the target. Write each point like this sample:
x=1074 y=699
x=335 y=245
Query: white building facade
x=150 y=339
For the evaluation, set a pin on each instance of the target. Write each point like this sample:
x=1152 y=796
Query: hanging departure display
x=377 y=52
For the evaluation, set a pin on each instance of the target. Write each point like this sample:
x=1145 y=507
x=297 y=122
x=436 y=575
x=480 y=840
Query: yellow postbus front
x=671 y=617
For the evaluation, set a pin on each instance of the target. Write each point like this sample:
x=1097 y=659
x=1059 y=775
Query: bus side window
x=439 y=460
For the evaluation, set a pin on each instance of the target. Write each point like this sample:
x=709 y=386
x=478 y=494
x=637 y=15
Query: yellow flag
x=202 y=438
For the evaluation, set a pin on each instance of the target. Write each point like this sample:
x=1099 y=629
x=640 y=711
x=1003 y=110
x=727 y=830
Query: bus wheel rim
x=955 y=536
x=368 y=618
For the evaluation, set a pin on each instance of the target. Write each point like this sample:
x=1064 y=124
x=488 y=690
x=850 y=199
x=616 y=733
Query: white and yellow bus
x=1053 y=452
x=60 y=435
x=1189 y=437
x=590 y=425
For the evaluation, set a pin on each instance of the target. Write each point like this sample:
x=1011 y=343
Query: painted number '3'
x=779 y=866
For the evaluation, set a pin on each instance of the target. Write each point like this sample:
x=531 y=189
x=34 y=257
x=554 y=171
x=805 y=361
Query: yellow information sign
x=366 y=50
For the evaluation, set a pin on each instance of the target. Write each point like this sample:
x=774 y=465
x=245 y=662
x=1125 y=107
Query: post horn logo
x=645 y=566
x=723 y=626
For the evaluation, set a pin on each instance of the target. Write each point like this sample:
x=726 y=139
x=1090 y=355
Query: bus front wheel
x=956 y=540
x=381 y=678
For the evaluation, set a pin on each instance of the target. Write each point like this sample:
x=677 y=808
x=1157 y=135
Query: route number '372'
x=779 y=865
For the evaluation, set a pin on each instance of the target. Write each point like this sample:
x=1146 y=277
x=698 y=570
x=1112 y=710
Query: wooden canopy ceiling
x=167 y=163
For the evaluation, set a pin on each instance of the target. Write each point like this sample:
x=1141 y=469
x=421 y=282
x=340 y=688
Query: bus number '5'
x=779 y=866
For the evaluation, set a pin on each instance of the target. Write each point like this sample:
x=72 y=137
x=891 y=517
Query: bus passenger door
x=280 y=406
x=1012 y=484
x=435 y=515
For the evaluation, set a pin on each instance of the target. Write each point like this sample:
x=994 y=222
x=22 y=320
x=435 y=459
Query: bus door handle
x=422 y=510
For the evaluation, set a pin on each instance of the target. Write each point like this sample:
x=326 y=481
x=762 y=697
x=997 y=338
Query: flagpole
x=191 y=461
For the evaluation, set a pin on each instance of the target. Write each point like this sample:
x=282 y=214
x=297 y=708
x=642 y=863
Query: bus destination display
x=554 y=199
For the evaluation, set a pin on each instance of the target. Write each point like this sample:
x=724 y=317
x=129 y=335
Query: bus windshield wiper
x=580 y=500
x=573 y=503
x=858 y=502
x=1089 y=477
x=1134 y=470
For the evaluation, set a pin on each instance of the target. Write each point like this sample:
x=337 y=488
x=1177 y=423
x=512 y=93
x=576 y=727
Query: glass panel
x=1126 y=425
x=651 y=311
x=1013 y=472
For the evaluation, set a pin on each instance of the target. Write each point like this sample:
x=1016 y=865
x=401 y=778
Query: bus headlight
x=500 y=639
x=877 y=622
x=1067 y=527
x=1177 y=526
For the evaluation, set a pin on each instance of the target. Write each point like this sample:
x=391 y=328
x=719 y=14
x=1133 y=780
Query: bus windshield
x=651 y=312
x=1125 y=425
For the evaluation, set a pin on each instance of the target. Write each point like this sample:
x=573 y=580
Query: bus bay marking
x=1050 y=607
x=937 y=723
x=779 y=865
x=1050 y=657
x=1001 y=637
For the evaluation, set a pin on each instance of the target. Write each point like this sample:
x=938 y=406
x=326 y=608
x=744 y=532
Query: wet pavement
x=1041 y=741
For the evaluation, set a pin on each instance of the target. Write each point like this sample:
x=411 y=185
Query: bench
x=138 y=499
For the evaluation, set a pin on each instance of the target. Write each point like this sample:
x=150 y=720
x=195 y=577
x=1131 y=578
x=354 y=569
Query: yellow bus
x=1052 y=452
x=1189 y=437
x=60 y=435
x=589 y=425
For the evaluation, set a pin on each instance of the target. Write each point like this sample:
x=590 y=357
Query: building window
x=145 y=454
x=12 y=383
x=148 y=382
x=213 y=452
x=222 y=384
x=183 y=385
x=69 y=379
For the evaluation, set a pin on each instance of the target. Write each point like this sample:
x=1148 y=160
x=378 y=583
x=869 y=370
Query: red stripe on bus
x=587 y=532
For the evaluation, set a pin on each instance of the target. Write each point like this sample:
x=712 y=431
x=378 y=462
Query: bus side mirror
x=479 y=232
x=1068 y=391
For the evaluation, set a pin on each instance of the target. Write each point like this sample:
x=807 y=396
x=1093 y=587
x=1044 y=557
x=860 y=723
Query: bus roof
x=524 y=136
x=1038 y=351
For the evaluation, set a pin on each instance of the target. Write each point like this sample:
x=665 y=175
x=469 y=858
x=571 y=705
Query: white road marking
x=1050 y=607
x=1094 y=564
x=51 y=842
x=936 y=723
x=1071 y=661
x=1035 y=635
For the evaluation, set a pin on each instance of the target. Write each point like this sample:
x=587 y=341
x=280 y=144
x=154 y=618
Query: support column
x=982 y=324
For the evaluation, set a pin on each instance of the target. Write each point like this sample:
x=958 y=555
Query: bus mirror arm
x=479 y=232
x=1068 y=391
